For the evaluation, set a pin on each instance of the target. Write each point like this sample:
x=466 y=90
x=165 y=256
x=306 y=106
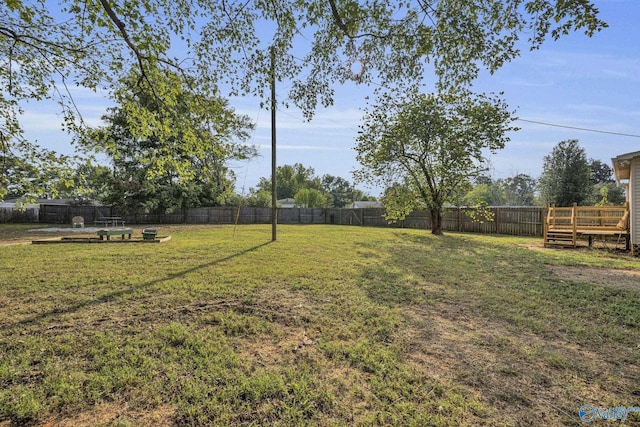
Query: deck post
x=574 y=220
x=545 y=222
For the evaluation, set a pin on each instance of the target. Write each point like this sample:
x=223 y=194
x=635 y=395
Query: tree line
x=568 y=177
x=308 y=190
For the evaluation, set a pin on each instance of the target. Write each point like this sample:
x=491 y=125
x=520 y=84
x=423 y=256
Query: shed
x=359 y=204
x=286 y=203
x=626 y=167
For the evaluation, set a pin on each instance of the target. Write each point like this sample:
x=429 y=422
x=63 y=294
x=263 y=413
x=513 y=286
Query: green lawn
x=329 y=325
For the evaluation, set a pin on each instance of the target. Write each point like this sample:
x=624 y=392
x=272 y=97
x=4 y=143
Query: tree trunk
x=436 y=221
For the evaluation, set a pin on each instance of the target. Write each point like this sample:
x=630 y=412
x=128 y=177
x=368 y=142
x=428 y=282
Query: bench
x=115 y=232
x=602 y=232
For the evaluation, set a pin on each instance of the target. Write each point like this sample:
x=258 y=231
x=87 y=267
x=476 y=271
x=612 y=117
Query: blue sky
x=577 y=81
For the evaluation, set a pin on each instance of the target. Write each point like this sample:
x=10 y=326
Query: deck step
x=559 y=238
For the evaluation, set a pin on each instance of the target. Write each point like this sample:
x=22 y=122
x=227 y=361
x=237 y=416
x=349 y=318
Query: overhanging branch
x=125 y=35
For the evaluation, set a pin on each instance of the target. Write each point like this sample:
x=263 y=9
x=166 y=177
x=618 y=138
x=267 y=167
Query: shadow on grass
x=490 y=317
x=413 y=271
x=109 y=297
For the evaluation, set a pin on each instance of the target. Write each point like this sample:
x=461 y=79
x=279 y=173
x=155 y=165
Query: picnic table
x=110 y=221
x=114 y=232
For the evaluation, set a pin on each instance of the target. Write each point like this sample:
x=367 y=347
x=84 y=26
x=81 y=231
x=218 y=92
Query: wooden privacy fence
x=518 y=220
x=27 y=216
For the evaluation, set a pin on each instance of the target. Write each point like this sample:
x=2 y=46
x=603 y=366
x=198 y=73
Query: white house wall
x=634 y=187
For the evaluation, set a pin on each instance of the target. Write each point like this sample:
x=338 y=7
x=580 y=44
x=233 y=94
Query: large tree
x=519 y=190
x=483 y=195
x=289 y=180
x=340 y=191
x=310 y=198
x=566 y=176
x=605 y=189
x=161 y=168
x=432 y=144
x=47 y=48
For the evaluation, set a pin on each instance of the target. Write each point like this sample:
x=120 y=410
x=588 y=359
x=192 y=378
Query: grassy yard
x=329 y=325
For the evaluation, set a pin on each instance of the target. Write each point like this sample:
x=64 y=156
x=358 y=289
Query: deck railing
x=564 y=224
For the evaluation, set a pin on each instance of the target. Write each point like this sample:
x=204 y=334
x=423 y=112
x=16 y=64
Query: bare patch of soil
x=609 y=245
x=118 y=414
x=617 y=278
x=520 y=375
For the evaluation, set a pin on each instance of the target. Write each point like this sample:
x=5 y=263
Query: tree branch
x=22 y=38
x=337 y=19
x=125 y=35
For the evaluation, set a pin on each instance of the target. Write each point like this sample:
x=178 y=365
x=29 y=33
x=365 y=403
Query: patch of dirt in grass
x=526 y=379
x=582 y=245
x=289 y=313
x=118 y=414
x=617 y=278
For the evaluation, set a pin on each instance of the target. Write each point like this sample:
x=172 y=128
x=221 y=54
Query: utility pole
x=274 y=198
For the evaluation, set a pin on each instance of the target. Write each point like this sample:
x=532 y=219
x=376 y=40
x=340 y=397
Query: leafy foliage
x=47 y=49
x=605 y=190
x=340 y=191
x=289 y=180
x=600 y=172
x=178 y=158
x=518 y=190
x=225 y=41
x=258 y=199
x=566 y=176
x=310 y=198
x=484 y=195
x=607 y=194
x=399 y=201
x=431 y=144
x=29 y=171
x=334 y=191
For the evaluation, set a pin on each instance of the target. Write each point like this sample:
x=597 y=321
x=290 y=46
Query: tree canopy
x=566 y=176
x=48 y=48
x=605 y=189
x=310 y=198
x=180 y=158
x=431 y=143
x=35 y=171
x=291 y=180
x=518 y=190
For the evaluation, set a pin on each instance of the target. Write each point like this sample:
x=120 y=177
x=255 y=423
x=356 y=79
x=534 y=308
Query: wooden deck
x=564 y=226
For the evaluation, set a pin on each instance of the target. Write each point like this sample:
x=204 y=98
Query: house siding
x=634 y=201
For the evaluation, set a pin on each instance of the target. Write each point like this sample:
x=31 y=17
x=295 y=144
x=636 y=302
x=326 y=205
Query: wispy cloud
x=533 y=82
x=290 y=147
x=292 y=118
x=40 y=120
x=585 y=65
